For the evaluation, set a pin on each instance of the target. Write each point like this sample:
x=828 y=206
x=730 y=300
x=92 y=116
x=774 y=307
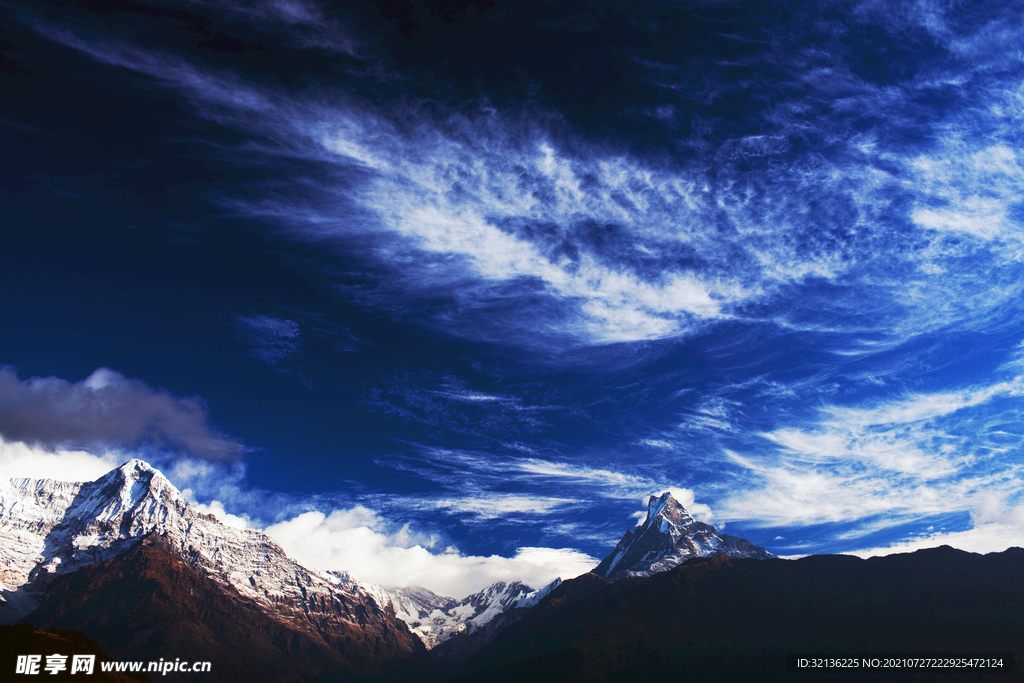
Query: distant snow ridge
x=49 y=528
x=436 y=618
x=667 y=538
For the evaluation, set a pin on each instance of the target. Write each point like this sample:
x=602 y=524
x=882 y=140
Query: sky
x=439 y=293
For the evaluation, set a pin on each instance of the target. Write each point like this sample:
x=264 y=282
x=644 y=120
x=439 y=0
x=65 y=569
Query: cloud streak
x=528 y=490
x=883 y=464
x=272 y=339
x=449 y=403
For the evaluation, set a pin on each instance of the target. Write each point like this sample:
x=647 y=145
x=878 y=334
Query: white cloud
x=991 y=537
x=501 y=505
x=617 y=303
x=468 y=471
x=357 y=540
x=607 y=483
x=216 y=508
x=454 y=198
x=786 y=495
x=658 y=443
x=977 y=188
x=18 y=460
x=895 y=460
x=919 y=407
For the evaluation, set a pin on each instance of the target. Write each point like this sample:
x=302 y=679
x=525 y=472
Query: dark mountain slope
x=24 y=639
x=726 y=619
x=148 y=604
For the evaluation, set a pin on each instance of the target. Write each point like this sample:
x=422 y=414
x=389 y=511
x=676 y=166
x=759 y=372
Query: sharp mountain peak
x=668 y=537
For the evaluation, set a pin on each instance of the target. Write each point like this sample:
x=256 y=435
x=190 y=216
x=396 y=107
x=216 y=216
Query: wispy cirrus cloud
x=503 y=506
x=536 y=238
x=302 y=22
x=885 y=463
x=450 y=403
x=272 y=339
x=872 y=206
x=487 y=484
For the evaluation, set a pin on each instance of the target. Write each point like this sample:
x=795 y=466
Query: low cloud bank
x=358 y=540
x=19 y=460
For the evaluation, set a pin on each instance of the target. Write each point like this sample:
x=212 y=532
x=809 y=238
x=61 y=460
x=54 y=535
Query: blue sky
x=442 y=292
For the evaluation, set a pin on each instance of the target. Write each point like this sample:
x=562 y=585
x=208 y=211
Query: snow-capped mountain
x=50 y=528
x=668 y=537
x=436 y=618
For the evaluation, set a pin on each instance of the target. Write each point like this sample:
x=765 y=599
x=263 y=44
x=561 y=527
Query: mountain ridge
x=723 y=618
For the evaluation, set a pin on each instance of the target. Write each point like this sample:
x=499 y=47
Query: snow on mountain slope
x=436 y=618
x=668 y=537
x=49 y=528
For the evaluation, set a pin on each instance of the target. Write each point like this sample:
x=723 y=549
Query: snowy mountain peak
x=136 y=467
x=665 y=509
x=49 y=528
x=133 y=486
x=138 y=477
x=668 y=537
x=655 y=505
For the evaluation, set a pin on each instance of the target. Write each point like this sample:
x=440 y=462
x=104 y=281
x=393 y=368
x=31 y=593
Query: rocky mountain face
x=723 y=618
x=50 y=529
x=150 y=603
x=668 y=537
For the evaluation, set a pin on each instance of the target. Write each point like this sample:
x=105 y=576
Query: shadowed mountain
x=149 y=604
x=24 y=639
x=729 y=619
x=668 y=537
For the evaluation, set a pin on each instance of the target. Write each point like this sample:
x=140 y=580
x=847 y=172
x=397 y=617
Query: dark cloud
x=107 y=410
